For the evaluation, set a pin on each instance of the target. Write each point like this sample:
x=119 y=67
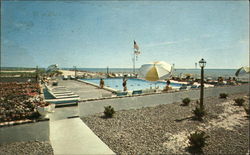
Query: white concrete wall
x=136 y=102
x=25 y=132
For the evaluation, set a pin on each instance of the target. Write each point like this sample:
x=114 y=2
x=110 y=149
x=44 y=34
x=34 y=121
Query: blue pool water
x=132 y=84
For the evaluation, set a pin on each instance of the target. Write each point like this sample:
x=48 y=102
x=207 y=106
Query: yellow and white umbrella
x=242 y=71
x=155 y=71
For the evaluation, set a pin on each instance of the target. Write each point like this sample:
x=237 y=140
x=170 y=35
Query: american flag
x=136 y=46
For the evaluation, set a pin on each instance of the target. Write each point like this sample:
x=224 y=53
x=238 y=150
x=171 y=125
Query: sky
x=97 y=34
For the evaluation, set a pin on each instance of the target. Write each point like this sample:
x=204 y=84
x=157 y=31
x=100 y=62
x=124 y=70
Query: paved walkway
x=64 y=113
x=72 y=136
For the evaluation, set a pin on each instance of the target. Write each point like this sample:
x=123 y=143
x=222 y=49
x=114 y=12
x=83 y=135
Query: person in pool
x=168 y=82
x=101 y=83
x=124 y=84
x=167 y=86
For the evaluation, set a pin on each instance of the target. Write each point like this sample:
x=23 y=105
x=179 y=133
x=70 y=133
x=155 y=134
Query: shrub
x=199 y=112
x=197 y=140
x=186 y=101
x=239 y=101
x=109 y=111
x=223 y=95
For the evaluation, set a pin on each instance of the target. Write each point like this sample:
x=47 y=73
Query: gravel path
x=23 y=148
x=164 y=128
x=222 y=141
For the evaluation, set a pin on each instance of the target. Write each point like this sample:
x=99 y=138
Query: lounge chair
x=63 y=100
x=121 y=93
x=61 y=92
x=63 y=95
x=111 y=75
x=183 y=87
x=136 y=92
x=66 y=96
x=194 y=86
x=67 y=93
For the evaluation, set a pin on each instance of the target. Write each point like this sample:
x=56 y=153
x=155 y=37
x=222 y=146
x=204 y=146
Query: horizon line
x=111 y=67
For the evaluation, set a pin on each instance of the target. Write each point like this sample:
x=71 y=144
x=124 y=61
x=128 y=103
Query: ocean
x=212 y=73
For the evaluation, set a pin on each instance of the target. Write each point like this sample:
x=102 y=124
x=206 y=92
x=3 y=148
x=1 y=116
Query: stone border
x=93 y=106
x=25 y=132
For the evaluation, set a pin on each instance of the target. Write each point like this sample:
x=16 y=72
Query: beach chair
x=66 y=96
x=183 y=87
x=63 y=94
x=65 y=101
x=194 y=86
x=121 y=93
x=137 y=92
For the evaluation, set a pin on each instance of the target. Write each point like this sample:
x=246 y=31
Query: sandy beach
x=81 y=73
x=23 y=71
x=67 y=72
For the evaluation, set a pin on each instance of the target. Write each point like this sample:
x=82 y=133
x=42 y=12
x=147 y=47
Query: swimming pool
x=132 y=84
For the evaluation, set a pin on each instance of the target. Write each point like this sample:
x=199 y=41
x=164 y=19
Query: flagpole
x=134 y=62
x=136 y=52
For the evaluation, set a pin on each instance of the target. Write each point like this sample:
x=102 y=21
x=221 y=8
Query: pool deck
x=68 y=133
x=85 y=91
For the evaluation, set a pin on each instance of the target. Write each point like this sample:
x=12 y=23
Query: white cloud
x=160 y=44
